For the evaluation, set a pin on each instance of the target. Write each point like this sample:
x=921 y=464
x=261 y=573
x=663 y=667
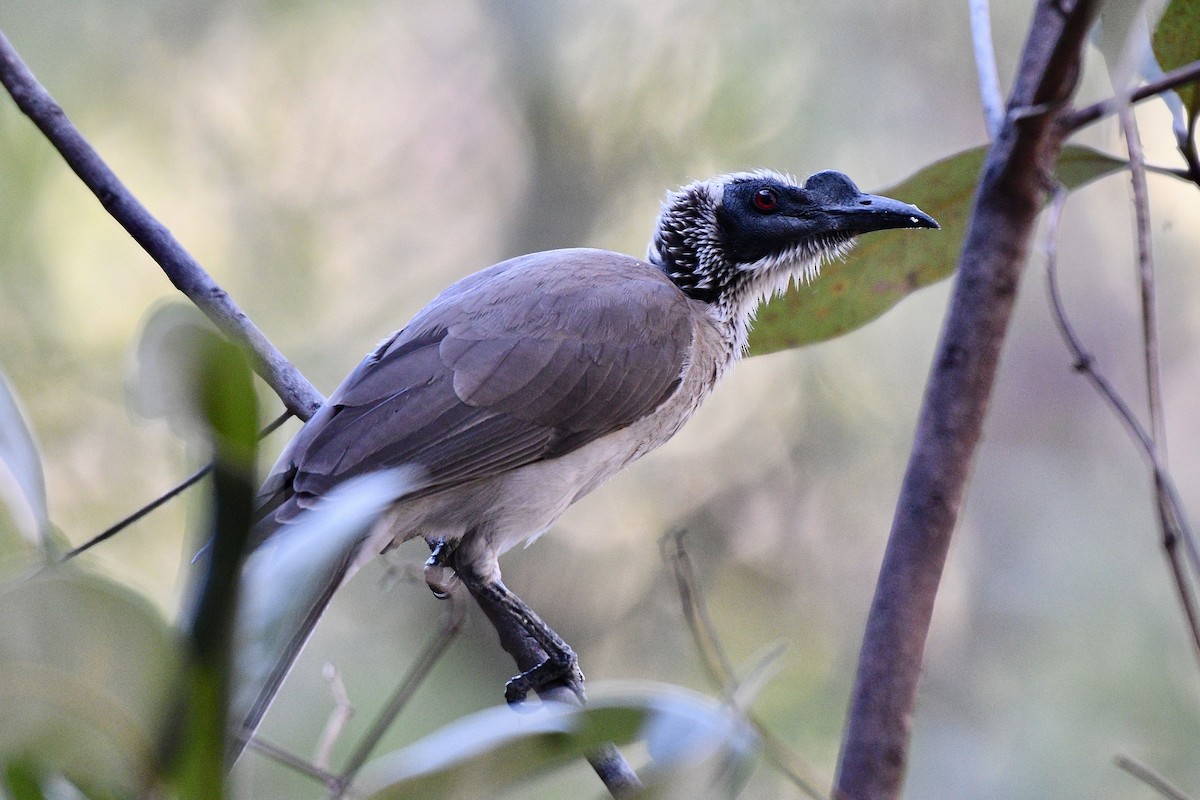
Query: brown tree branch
x=1012 y=190
x=300 y=397
x=1188 y=73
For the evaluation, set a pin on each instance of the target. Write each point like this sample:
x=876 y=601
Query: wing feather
x=525 y=361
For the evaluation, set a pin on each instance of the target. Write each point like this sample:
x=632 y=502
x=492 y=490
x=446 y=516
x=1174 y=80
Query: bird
x=522 y=387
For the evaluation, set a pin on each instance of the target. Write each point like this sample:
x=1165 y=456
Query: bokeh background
x=335 y=165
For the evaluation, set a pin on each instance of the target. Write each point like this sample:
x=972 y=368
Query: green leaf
x=22 y=487
x=21 y=782
x=198 y=742
x=86 y=671
x=486 y=752
x=888 y=266
x=1177 y=42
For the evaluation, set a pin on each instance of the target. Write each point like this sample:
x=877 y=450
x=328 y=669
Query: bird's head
x=733 y=240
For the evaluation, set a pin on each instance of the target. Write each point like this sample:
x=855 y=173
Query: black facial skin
x=760 y=217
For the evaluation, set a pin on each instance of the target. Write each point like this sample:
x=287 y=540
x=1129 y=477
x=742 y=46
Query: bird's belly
x=494 y=515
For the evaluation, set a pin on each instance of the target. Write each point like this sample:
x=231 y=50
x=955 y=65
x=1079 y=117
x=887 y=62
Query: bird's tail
x=288 y=581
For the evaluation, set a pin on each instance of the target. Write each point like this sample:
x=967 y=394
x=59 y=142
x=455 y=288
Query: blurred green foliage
x=334 y=165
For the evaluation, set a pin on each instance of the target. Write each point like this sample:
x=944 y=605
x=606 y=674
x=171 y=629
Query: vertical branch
x=985 y=66
x=1145 y=265
x=1011 y=191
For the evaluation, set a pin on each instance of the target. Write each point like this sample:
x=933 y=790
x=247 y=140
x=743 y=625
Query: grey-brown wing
x=535 y=358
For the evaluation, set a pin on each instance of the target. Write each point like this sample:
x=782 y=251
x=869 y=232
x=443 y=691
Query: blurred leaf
x=22 y=487
x=888 y=266
x=228 y=406
x=287 y=582
x=21 y=782
x=1122 y=35
x=486 y=752
x=86 y=669
x=1177 y=42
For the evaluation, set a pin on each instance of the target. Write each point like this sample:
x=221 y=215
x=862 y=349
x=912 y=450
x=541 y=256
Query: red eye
x=765 y=200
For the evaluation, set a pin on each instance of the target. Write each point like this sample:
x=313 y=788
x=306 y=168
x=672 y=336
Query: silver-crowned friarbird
x=523 y=387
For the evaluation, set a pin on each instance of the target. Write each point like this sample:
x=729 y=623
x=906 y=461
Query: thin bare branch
x=1172 y=522
x=1011 y=192
x=121 y=525
x=1150 y=778
x=432 y=653
x=990 y=95
x=1145 y=264
x=712 y=654
x=300 y=397
x=720 y=669
x=171 y=493
x=1188 y=73
x=291 y=760
x=343 y=712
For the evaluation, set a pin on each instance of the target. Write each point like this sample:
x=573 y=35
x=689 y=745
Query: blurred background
x=335 y=165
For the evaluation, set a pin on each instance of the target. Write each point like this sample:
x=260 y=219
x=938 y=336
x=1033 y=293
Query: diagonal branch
x=181 y=268
x=1188 y=73
x=1012 y=190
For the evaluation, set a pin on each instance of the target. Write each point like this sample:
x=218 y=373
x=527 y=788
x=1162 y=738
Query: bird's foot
x=440 y=576
x=526 y=637
x=561 y=667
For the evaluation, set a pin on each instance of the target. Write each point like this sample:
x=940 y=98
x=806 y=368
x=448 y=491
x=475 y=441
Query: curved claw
x=561 y=667
x=440 y=576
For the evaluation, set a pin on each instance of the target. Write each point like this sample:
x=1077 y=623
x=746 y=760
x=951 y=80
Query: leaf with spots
x=888 y=266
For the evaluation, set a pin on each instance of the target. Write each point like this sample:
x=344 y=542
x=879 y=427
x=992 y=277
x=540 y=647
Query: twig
x=179 y=488
x=1145 y=264
x=428 y=658
x=289 y=759
x=1172 y=521
x=180 y=267
x=117 y=527
x=1150 y=778
x=720 y=670
x=712 y=655
x=1011 y=191
x=985 y=66
x=343 y=712
x=1188 y=73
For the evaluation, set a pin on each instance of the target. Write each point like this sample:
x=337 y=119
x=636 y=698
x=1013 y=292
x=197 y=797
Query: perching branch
x=611 y=767
x=181 y=268
x=985 y=66
x=1011 y=191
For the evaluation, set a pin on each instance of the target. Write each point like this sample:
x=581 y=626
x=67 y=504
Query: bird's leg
x=508 y=612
